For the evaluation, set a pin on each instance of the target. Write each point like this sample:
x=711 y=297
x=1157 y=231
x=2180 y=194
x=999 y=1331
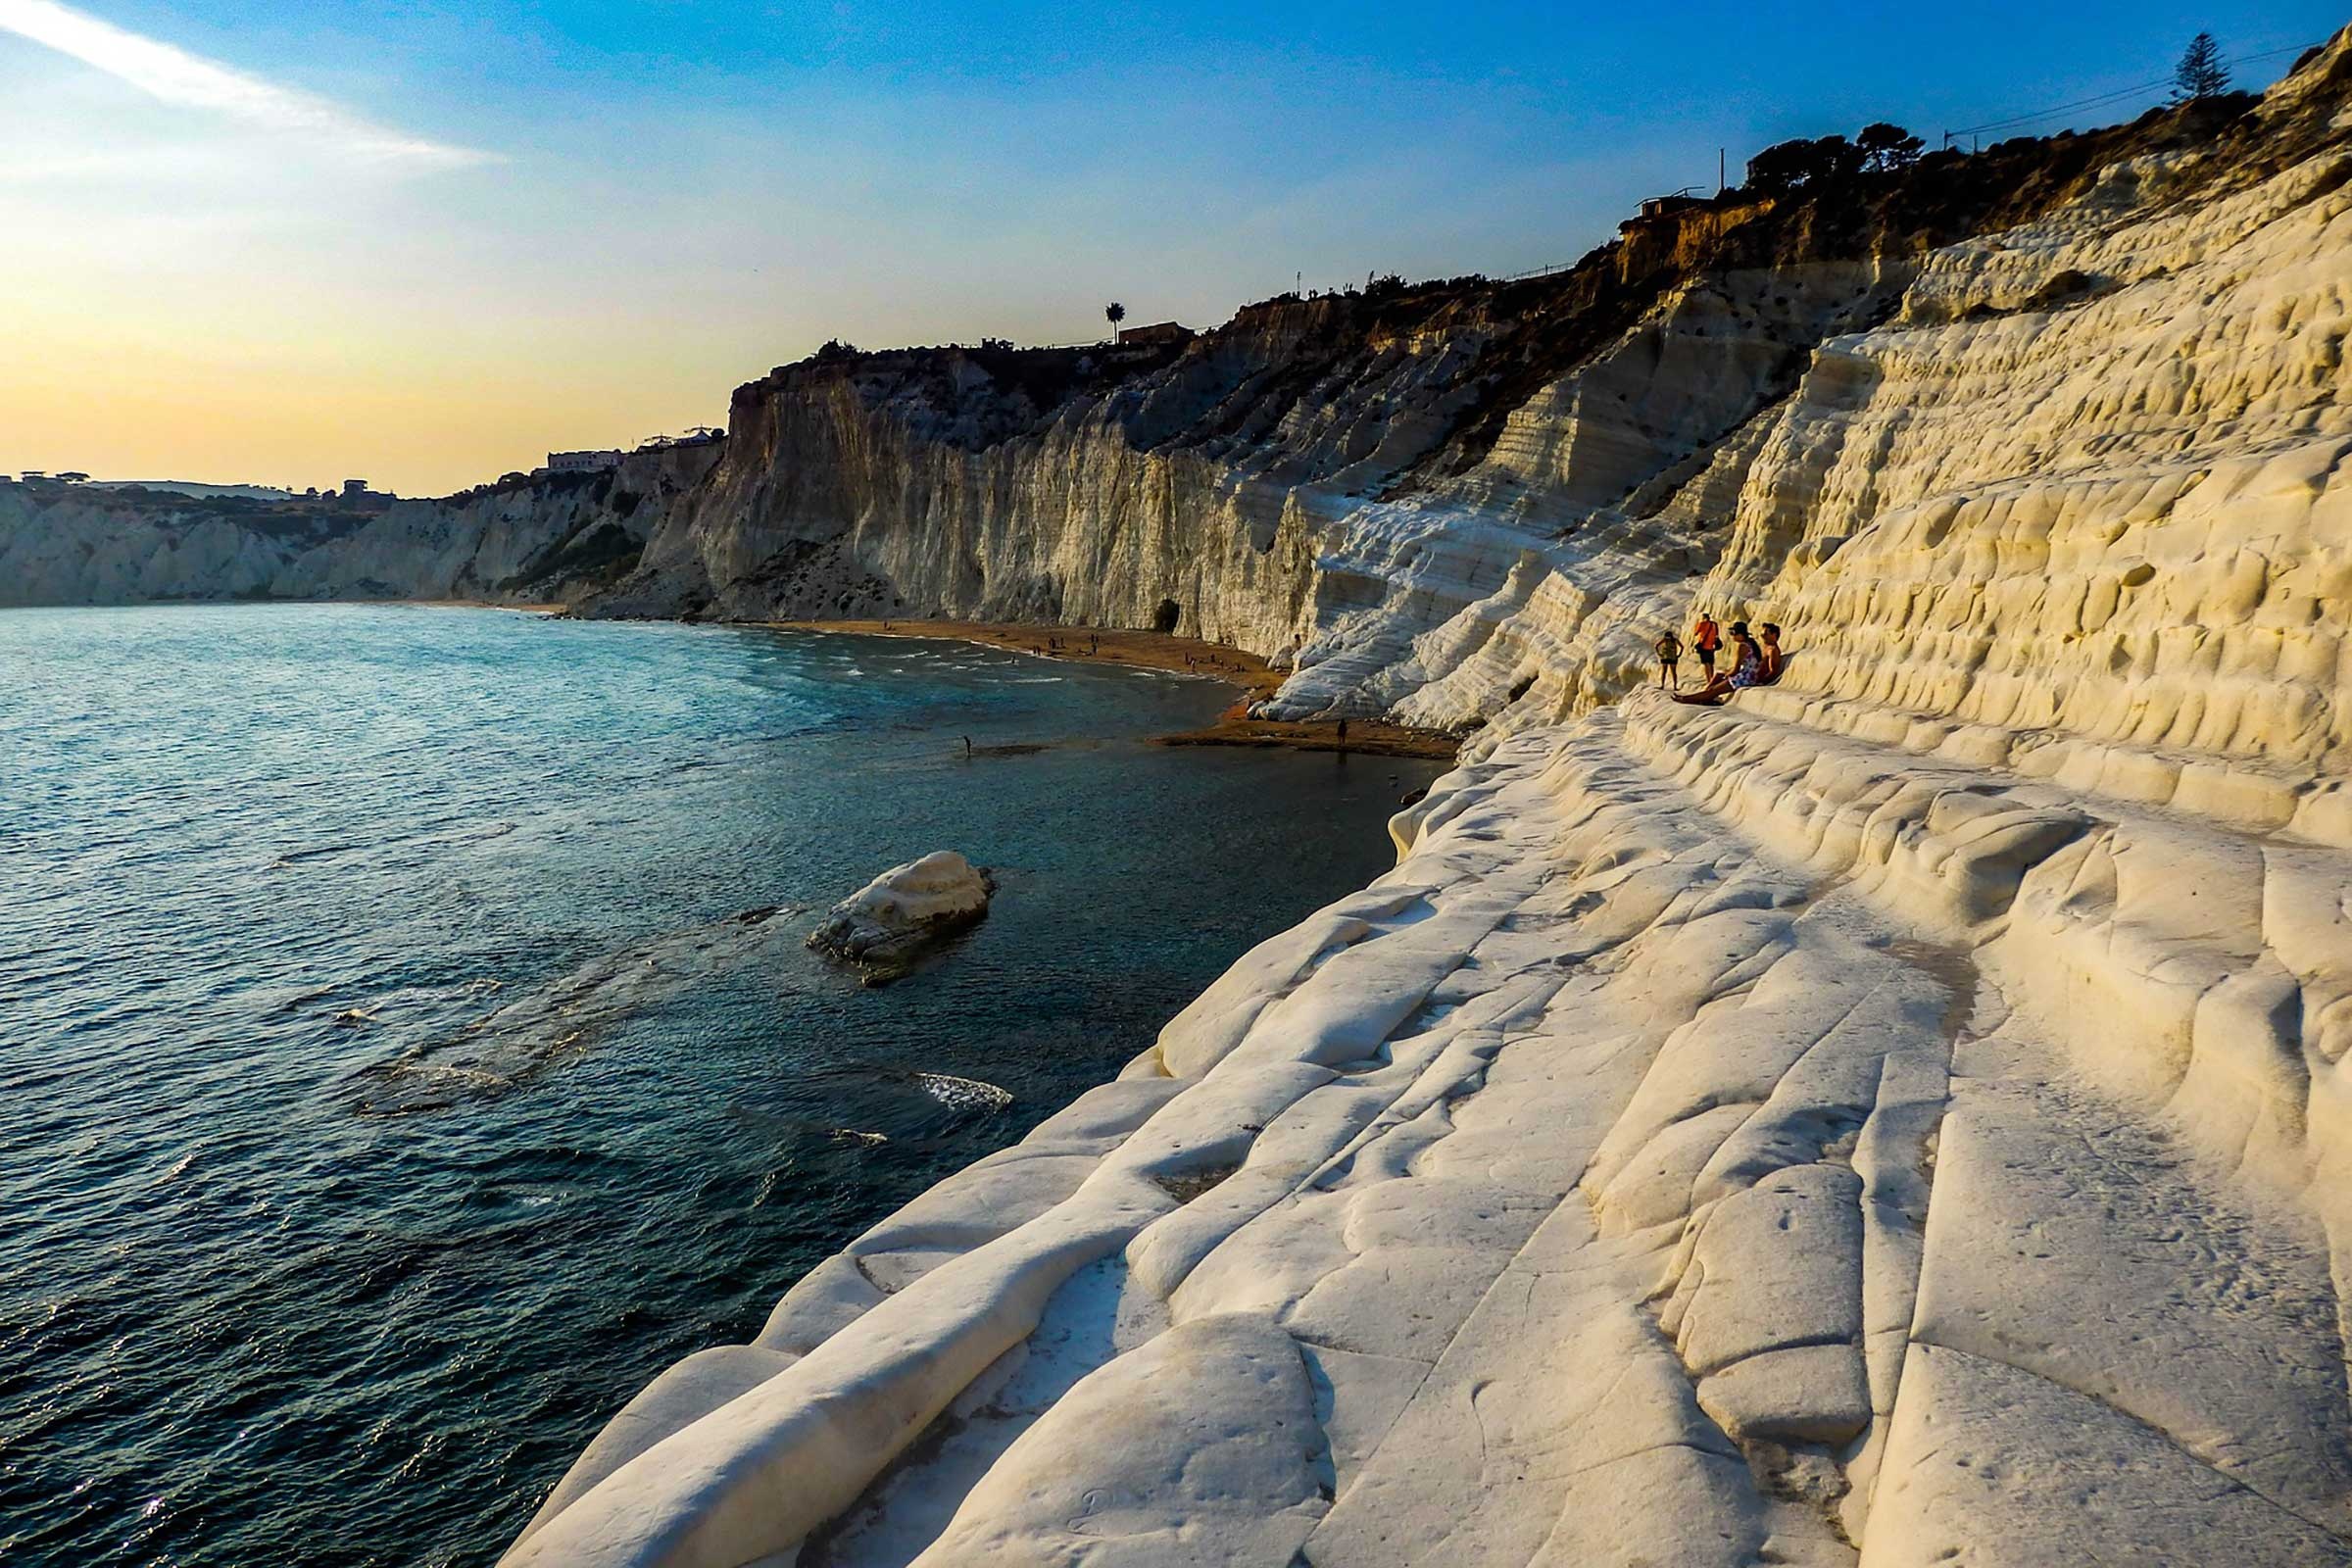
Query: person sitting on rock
x=1670 y=656
x=1747 y=670
x=1773 y=660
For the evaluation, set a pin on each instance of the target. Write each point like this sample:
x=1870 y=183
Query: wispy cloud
x=177 y=76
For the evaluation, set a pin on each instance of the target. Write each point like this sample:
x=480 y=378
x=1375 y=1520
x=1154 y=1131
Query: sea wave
x=962 y=1092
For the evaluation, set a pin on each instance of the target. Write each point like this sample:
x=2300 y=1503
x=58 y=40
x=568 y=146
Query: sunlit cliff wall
x=1475 y=505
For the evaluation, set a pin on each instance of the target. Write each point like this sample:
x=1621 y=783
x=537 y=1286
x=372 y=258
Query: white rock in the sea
x=892 y=920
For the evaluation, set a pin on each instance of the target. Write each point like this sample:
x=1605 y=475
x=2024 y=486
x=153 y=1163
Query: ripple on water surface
x=397 y=1082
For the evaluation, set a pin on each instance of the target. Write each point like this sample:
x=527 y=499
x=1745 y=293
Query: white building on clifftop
x=591 y=461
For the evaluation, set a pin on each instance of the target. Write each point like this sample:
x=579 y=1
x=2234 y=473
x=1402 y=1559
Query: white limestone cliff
x=550 y=539
x=1899 y=1117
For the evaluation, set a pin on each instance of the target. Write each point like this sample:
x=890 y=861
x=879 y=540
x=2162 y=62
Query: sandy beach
x=1188 y=655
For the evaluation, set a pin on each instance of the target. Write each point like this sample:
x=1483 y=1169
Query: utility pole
x=1721 y=184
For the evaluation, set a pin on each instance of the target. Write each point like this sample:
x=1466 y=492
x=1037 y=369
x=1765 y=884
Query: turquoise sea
x=407 y=1047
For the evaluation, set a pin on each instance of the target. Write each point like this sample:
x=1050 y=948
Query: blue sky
x=425 y=242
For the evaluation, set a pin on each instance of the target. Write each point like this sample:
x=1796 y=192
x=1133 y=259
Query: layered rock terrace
x=1898 y=1117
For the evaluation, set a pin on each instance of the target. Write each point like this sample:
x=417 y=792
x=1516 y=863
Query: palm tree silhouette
x=1114 y=313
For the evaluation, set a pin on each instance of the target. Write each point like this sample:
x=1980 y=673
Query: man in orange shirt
x=1707 y=637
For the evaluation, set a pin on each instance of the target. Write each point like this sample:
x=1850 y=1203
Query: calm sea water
x=390 y=1083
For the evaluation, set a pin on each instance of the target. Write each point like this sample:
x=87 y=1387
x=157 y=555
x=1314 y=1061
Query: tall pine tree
x=2200 y=74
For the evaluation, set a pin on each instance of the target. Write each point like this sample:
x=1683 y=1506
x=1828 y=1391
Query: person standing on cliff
x=1705 y=638
x=1669 y=659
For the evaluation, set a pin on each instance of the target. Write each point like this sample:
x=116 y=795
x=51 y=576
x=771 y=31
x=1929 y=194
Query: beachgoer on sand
x=1670 y=658
x=1705 y=638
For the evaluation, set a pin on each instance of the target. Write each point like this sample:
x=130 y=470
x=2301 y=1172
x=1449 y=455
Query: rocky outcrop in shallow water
x=893 y=922
x=1899 y=1117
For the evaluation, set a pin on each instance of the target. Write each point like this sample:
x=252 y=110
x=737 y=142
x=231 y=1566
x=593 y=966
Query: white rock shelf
x=1718 y=1140
x=1899 y=1118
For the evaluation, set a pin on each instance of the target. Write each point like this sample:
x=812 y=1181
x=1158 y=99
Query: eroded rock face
x=1897 y=1118
x=887 y=926
x=549 y=540
x=1476 y=504
x=1478 y=507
